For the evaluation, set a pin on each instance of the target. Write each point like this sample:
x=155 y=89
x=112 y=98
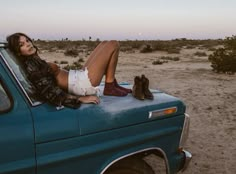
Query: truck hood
x=116 y=112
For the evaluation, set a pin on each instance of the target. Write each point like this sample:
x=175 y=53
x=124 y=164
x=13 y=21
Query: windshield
x=16 y=68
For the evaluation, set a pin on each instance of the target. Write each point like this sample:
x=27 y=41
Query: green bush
x=230 y=43
x=224 y=59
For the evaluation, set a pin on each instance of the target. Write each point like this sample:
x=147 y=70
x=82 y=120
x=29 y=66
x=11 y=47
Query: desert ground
x=210 y=99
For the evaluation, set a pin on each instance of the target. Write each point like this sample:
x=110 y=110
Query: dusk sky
x=118 y=19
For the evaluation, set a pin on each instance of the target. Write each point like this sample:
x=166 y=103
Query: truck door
x=17 y=149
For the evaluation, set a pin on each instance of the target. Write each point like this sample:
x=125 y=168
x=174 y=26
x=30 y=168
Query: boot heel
x=146 y=91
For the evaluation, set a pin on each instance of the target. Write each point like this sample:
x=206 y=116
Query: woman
x=71 y=88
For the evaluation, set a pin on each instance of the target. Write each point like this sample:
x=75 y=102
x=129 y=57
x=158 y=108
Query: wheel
x=130 y=166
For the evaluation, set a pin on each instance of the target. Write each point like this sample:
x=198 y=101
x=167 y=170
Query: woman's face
x=26 y=46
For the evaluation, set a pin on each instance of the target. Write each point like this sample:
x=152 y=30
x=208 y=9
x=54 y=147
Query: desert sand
x=210 y=99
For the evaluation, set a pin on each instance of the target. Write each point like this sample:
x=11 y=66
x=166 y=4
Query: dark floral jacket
x=41 y=76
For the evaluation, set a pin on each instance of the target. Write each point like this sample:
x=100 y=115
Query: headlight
x=185 y=131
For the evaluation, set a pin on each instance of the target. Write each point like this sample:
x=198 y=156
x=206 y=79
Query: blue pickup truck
x=113 y=137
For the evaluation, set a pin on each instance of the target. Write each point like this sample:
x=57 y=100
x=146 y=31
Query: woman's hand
x=89 y=99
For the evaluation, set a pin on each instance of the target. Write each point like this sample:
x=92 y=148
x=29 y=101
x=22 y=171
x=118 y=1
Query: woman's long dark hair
x=14 y=45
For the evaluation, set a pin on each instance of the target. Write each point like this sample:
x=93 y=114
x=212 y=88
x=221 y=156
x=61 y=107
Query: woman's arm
x=61 y=75
x=54 y=67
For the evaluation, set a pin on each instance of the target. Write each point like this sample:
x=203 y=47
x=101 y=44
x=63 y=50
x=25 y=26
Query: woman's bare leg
x=103 y=61
x=95 y=51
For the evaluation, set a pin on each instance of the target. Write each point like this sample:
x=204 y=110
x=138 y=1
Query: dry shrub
x=71 y=52
x=78 y=64
x=63 y=62
x=147 y=48
x=211 y=49
x=173 y=50
x=159 y=62
x=190 y=47
x=200 y=54
x=126 y=48
x=170 y=58
x=81 y=60
x=74 y=66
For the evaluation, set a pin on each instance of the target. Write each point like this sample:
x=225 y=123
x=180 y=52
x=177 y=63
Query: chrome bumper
x=187 y=159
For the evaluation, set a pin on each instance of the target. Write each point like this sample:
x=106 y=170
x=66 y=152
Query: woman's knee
x=103 y=43
x=114 y=44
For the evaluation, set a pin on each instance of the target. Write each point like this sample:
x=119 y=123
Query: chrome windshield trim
x=139 y=151
x=18 y=82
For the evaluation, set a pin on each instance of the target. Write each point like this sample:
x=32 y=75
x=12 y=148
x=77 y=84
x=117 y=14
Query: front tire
x=130 y=166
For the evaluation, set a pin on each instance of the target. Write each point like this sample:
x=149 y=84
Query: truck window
x=5 y=102
x=19 y=73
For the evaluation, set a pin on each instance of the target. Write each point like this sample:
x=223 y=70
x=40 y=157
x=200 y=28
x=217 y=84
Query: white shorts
x=79 y=83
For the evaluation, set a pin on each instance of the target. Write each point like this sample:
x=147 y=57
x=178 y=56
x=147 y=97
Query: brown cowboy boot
x=137 y=91
x=146 y=91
